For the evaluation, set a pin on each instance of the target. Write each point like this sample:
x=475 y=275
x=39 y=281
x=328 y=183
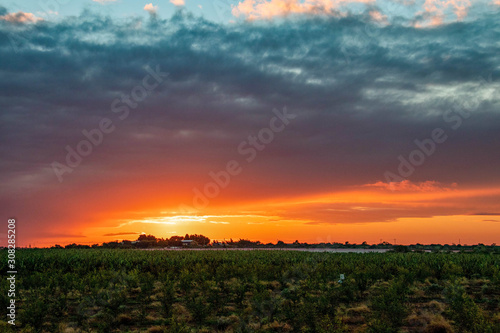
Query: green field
x=99 y=290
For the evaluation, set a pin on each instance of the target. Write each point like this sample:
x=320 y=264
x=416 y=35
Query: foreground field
x=253 y=291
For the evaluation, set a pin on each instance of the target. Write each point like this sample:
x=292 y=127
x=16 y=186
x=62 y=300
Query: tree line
x=198 y=240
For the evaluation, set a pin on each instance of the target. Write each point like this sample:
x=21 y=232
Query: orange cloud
x=20 y=17
x=151 y=9
x=435 y=10
x=263 y=9
x=378 y=16
x=178 y=2
x=408 y=186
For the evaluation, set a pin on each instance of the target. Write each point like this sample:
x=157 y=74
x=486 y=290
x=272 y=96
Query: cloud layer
x=362 y=92
x=19 y=17
x=420 y=13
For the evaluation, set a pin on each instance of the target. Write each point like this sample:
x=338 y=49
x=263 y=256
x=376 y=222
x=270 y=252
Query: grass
x=99 y=290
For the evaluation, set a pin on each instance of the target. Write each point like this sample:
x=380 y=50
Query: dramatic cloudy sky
x=392 y=132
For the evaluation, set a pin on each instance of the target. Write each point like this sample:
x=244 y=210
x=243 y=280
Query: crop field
x=99 y=290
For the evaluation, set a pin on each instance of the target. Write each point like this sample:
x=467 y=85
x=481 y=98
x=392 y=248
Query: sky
x=317 y=120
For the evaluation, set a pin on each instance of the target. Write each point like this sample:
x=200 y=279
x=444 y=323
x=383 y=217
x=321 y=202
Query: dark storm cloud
x=362 y=94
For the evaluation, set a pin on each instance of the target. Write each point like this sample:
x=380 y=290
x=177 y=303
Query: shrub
x=466 y=314
x=441 y=327
x=389 y=307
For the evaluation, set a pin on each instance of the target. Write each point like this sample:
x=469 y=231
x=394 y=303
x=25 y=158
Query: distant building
x=187 y=242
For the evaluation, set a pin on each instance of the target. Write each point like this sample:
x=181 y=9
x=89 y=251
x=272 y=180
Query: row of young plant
x=261 y=291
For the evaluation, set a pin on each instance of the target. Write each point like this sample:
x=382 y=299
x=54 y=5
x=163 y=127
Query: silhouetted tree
x=199 y=239
x=175 y=241
x=144 y=237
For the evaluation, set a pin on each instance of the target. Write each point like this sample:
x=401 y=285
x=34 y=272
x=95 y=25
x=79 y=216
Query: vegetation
x=150 y=241
x=145 y=241
x=103 y=290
